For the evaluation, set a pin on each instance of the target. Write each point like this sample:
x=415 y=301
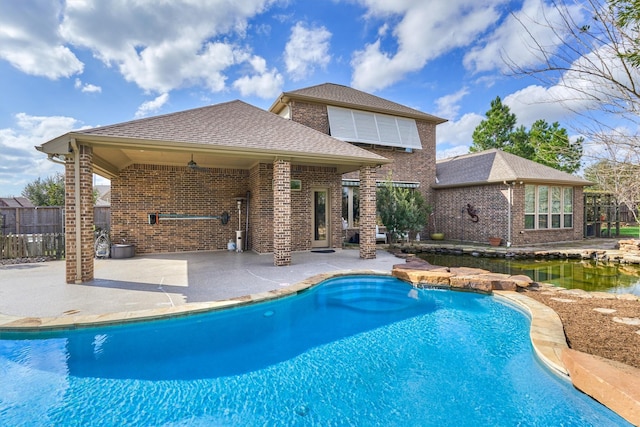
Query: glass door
x=320 y=220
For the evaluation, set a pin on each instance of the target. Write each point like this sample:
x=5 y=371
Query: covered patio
x=195 y=167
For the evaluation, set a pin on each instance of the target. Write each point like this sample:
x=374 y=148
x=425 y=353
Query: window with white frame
x=548 y=207
x=351 y=206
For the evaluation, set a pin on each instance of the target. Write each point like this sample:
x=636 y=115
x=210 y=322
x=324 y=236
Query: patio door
x=320 y=220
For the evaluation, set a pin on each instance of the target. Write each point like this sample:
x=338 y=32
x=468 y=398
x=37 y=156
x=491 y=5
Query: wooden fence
x=15 y=246
x=39 y=232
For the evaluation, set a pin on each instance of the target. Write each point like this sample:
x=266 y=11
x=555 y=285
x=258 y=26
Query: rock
x=471 y=282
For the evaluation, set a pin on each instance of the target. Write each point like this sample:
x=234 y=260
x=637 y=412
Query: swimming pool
x=354 y=350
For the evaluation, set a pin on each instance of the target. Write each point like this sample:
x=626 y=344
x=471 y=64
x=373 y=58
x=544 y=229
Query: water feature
x=570 y=274
x=358 y=350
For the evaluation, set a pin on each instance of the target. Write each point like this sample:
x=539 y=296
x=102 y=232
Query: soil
x=594 y=332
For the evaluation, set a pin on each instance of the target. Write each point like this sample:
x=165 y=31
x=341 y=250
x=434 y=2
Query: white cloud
x=265 y=85
x=536 y=102
x=30 y=39
x=306 y=49
x=457 y=134
x=162 y=46
x=152 y=106
x=516 y=40
x=87 y=87
x=448 y=106
x=20 y=162
x=425 y=31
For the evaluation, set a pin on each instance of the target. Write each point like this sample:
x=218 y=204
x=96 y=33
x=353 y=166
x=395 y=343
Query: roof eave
x=572 y=183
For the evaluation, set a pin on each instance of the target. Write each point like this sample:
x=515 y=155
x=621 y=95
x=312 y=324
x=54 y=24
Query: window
x=351 y=206
x=373 y=128
x=548 y=207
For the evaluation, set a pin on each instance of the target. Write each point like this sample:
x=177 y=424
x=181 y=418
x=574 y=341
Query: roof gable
x=344 y=96
x=496 y=166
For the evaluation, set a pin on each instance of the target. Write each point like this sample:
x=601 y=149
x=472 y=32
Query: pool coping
x=615 y=385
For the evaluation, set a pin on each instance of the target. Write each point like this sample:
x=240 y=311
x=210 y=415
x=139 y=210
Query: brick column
x=281 y=213
x=367 y=212
x=80 y=220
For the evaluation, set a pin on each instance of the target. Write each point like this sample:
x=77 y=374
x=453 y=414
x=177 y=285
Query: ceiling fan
x=194 y=166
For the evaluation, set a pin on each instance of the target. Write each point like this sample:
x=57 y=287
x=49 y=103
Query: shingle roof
x=492 y=166
x=234 y=125
x=339 y=95
x=16 y=202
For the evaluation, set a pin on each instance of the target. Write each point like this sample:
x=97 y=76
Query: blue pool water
x=358 y=350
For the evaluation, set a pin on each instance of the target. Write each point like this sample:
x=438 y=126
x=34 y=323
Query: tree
x=543 y=143
x=401 y=209
x=46 y=192
x=496 y=130
x=627 y=13
x=592 y=64
x=551 y=147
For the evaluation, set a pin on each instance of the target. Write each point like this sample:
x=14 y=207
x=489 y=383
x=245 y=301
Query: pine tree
x=496 y=130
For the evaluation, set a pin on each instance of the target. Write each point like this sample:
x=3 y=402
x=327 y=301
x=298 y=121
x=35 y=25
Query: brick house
x=493 y=194
x=401 y=134
x=301 y=173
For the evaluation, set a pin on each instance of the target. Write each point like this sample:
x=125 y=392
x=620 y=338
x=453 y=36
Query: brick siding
x=491 y=203
x=143 y=189
x=84 y=218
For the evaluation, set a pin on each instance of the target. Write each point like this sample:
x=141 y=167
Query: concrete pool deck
x=35 y=296
x=162 y=281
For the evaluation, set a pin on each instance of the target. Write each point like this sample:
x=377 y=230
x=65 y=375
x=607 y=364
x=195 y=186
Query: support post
x=281 y=213
x=367 y=212
x=79 y=214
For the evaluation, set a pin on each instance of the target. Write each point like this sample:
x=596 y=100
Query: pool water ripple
x=444 y=359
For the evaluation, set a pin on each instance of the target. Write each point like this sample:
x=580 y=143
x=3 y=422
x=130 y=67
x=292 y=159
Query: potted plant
x=495 y=241
x=435 y=235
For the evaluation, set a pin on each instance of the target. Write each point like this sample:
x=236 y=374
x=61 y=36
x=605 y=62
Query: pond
x=571 y=274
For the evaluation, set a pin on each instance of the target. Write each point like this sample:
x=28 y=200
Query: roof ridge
x=154 y=118
x=358 y=99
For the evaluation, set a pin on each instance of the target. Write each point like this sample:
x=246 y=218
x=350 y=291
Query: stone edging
x=628 y=252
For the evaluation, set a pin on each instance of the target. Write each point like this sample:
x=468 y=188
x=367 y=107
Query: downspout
x=76 y=161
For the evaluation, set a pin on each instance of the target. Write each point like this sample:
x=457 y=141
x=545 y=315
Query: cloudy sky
x=75 y=64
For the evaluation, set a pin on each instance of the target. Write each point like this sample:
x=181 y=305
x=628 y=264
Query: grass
x=626 y=231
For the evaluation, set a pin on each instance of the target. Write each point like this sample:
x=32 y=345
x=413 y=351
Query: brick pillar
x=81 y=219
x=281 y=213
x=367 y=212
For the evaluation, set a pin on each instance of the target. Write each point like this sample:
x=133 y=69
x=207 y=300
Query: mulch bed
x=596 y=333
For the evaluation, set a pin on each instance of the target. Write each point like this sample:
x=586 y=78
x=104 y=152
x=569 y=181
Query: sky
x=75 y=64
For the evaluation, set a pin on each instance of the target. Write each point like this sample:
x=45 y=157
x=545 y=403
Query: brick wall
x=143 y=189
x=451 y=218
x=491 y=203
x=418 y=166
x=170 y=189
x=261 y=221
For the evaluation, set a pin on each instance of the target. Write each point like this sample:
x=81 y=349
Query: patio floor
x=164 y=280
